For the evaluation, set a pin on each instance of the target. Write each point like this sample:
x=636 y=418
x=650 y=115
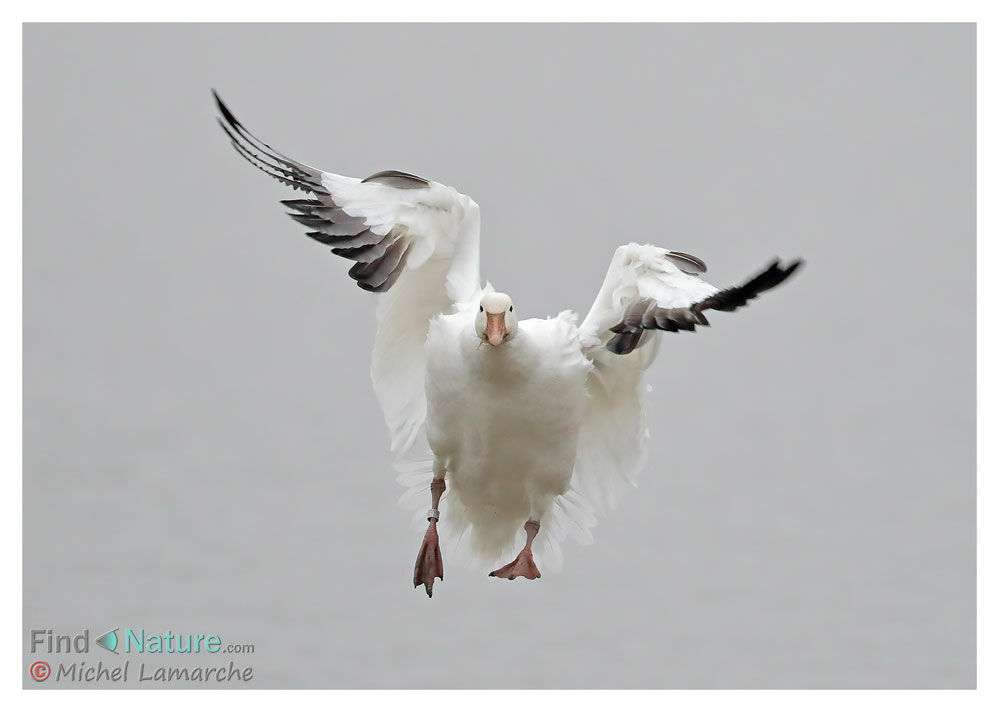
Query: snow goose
x=531 y=423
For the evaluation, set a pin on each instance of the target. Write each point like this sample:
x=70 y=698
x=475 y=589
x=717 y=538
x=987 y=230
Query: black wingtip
x=637 y=318
x=782 y=272
x=224 y=110
x=777 y=272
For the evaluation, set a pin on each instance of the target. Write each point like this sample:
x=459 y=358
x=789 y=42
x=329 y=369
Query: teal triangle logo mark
x=109 y=641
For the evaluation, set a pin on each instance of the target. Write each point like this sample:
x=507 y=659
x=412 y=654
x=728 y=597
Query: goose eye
x=480 y=308
x=511 y=307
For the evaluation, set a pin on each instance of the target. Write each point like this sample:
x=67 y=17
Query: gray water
x=202 y=449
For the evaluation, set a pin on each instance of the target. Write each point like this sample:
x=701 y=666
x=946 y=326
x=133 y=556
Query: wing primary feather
x=309 y=220
x=646 y=314
x=389 y=281
x=291 y=182
x=365 y=253
x=367 y=225
x=362 y=239
x=377 y=271
x=286 y=177
x=634 y=316
x=734 y=297
x=306 y=206
x=322 y=237
x=307 y=171
x=623 y=343
x=248 y=152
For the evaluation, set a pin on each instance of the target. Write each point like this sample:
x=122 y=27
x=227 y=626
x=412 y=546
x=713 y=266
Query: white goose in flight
x=532 y=423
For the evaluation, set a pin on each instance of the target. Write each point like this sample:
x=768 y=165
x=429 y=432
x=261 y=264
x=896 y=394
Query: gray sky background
x=202 y=448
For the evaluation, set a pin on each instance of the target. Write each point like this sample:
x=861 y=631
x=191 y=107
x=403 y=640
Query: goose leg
x=523 y=565
x=429 y=564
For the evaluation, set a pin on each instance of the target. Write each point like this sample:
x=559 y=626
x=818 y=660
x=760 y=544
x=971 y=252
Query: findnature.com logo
x=135 y=641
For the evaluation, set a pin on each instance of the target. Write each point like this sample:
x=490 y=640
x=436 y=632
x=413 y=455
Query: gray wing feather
x=645 y=314
x=380 y=258
x=687 y=262
x=398 y=179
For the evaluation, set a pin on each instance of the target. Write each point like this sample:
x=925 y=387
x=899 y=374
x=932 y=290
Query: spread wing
x=413 y=241
x=647 y=290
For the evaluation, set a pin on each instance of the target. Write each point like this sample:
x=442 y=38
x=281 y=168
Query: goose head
x=496 y=321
